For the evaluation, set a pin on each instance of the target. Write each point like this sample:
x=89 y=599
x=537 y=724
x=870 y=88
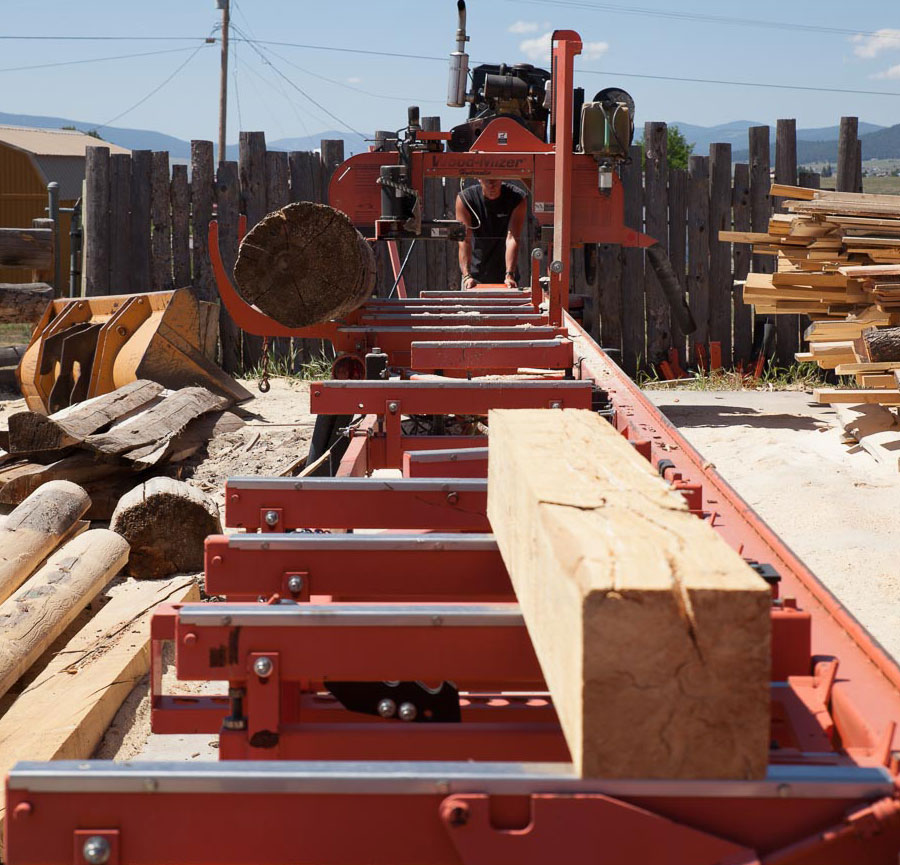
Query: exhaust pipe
x=459 y=63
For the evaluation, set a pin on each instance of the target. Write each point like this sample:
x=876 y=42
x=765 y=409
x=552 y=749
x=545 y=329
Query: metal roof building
x=30 y=159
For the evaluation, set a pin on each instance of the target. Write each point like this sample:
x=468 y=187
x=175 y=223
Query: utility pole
x=224 y=5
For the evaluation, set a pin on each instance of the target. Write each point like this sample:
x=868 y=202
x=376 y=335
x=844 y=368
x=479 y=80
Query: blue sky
x=501 y=30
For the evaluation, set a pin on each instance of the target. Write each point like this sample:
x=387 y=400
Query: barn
x=30 y=159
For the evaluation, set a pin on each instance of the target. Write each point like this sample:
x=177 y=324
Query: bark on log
x=23 y=303
x=880 y=344
x=42 y=609
x=34 y=528
x=305 y=264
x=31 y=433
x=166 y=522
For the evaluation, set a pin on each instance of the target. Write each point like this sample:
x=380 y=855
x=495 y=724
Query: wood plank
x=228 y=213
x=720 y=276
x=161 y=220
x=603 y=555
x=856 y=396
x=35 y=615
x=877 y=380
x=698 y=248
x=119 y=223
x=760 y=200
x=180 y=195
x=656 y=202
x=854 y=368
x=157 y=426
x=141 y=171
x=785 y=190
x=678 y=195
x=202 y=194
x=252 y=166
x=96 y=221
x=876 y=429
x=634 y=351
x=64 y=712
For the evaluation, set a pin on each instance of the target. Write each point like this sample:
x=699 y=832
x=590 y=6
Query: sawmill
x=506 y=612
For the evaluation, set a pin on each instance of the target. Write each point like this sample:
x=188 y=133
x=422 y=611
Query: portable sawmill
x=386 y=702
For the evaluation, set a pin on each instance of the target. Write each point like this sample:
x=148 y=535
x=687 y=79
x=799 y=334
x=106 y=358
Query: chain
x=264 y=385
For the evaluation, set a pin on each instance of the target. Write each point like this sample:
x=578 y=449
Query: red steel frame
x=830 y=795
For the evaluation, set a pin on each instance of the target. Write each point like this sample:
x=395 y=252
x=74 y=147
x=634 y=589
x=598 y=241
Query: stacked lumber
x=838 y=261
x=110 y=443
x=651 y=632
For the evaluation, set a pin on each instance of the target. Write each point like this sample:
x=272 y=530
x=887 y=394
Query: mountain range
x=813 y=145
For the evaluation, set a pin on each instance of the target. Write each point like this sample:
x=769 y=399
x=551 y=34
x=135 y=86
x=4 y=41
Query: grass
x=879 y=185
x=15 y=334
x=797 y=376
x=286 y=366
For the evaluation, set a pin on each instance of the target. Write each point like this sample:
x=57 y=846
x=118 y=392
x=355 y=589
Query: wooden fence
x=146 y=230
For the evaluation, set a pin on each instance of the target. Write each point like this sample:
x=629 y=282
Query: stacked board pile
x=838 y=261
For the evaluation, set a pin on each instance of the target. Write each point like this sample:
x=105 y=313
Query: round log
x=882 y=344
x=305 y=264
x=165 y=522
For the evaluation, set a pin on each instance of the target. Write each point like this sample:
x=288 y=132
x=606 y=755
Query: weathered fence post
x=141 y=168
x=181 y=227
x=96 y=221
x=202 y=181
x=678 y=193
x=120 y=223
x=698 y=247
x=252 y=166
x=787 y=327
x=848 y=156
x=656 y=171
x=633 y=333
x=278 y=194
x=721 y=284
x=743 y=319
x=228 y=197
x=161 y=217
x=760 y=184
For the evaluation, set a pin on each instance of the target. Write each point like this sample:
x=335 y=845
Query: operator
x=494 y=213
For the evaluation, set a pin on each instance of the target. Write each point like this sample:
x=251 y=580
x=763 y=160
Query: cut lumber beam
x=42 y=608
x=34 y=529
x=26 y=247
x=33 y=433
x=23 y=303
x=82 y=469
x=652 y=633
x=64 y=712
x=165 y=522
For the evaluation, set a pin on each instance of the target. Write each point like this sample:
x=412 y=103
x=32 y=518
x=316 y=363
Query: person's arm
x=465 y=246
x=513 y=231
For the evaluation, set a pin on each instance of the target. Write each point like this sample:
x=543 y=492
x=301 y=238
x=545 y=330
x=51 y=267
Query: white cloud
x=870 y=46
x=538 y=48
x=354 y=80
x=523 y=27
x=892 y=72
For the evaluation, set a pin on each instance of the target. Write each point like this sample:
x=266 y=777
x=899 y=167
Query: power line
x=741 y=83
x=103 y=38
x=296 y=87
x=94 y=60
x=156 y=89
x=698 y=17
x=345 y=50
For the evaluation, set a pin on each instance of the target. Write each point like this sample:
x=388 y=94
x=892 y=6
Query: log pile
x=110 y=443
x=837 y=261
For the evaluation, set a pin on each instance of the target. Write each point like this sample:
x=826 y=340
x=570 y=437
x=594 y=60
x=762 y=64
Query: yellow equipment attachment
x=84 y=347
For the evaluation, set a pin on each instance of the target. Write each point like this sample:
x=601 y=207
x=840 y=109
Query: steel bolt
x=452 y=498
x=783 y=790
x=121 y=330
x=295 y=584
x=537 y=252
x=556 y=266
x=271 y=518
x=217 y=560
x=392 y=407
x=387 y=708
x=407 y=712
x=263 y=667
x=555 y=404
x=96 y=850
x=458 y=815
x=189 y=639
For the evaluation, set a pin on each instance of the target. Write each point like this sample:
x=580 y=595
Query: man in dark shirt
x=494 y=213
